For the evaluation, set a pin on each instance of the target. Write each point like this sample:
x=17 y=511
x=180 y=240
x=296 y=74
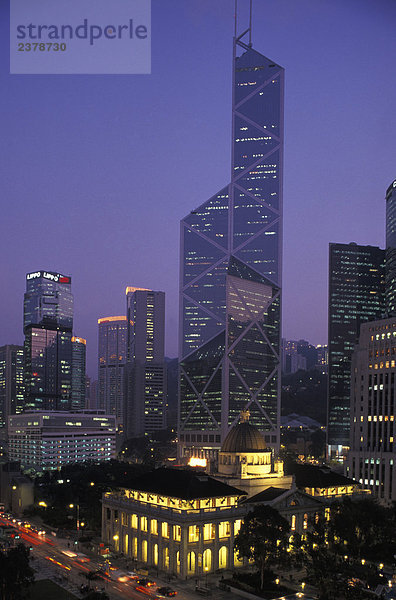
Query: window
x=193 y=533
x=154 y=526
x=237 y=526
x=305 y=522
x=134 y=521
x=224 y=529
x=209 y=531
x=165 y=530
x=293 y=523
x=177 y=533
x=143 y=523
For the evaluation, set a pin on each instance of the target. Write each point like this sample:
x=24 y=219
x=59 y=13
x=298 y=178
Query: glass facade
x=230 y=296
x=112 y=355
x=356 y=295
x=48 y=323
x=390 y=270
x=78 y=391
x=146 y=401
x=12 y=382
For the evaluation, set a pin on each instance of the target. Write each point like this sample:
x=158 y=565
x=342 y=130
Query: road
x=49 y=560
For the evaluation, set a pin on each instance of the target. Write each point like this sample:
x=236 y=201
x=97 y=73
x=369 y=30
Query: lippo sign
x=80 y=37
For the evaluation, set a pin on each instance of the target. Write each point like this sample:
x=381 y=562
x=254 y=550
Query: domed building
x=245 y=461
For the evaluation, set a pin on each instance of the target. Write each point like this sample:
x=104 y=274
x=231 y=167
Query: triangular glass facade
x=231 y=272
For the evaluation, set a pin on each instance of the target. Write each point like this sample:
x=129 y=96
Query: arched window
x=223 y=557
x=191 y=562
x=207 y=560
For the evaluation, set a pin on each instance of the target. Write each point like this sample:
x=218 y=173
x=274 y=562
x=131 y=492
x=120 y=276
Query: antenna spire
x=250 y=22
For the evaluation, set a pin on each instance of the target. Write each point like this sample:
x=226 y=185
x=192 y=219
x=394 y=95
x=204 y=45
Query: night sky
x=97 y=171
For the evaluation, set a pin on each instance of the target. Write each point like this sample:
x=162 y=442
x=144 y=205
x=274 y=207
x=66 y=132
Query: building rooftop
x=311 y=476
x=244 y=437
x=185 y=484
x=267 y=495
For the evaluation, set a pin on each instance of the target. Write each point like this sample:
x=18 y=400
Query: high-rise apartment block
x=112 y=353
x=48 y=323
x=47 y=440
x=230 y=279
x=356 y=295
x=78 y=392
x=372 y=455
x=12 y=383
x=390 y=271
x=146 y=396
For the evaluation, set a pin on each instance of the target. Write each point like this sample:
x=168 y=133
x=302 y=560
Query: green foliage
x=263 y=537
x=16 y=575
x=363 y=529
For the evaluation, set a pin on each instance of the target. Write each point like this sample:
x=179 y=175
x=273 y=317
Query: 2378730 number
x=41 y=47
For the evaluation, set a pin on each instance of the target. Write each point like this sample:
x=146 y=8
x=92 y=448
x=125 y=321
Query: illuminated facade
x=390 y=270
x=146 y=395
x=78 y=373
x=43 y=440
x=112 y=356
x=179 y=521
x=356 y=295
x=230 y=294
x=372 y=455
x=12 y=383
x=48 y=323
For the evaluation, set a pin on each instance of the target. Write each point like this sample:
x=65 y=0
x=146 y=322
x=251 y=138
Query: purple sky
x=97 y=171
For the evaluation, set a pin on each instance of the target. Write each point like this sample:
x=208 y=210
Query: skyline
x=338 y=129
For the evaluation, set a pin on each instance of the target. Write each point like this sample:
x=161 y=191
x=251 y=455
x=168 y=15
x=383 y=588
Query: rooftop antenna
x=238 y=38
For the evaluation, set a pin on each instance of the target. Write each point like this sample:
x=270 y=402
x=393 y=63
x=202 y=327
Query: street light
x=77 y=518
x=42 y=503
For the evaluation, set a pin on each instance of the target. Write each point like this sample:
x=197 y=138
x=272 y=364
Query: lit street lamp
x=78 y=517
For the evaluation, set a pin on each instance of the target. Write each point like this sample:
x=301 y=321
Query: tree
x=263 y=537
x=16 y=574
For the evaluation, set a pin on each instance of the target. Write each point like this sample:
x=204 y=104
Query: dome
x=244 y=438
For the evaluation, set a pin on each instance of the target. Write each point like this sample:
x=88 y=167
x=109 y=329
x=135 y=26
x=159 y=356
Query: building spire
x=237 y=37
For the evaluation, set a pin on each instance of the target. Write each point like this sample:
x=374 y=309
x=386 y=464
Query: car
x=166 y=592
x=145 y=582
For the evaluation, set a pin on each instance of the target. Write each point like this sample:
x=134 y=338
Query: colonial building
x=180 y=521
x=184 y=521
x=246 y=462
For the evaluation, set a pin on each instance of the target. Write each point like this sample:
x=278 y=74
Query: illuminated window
x=143 y=523
x=154 y=526
x=193 y=533
x=134 y=521
x=177 y=533
x=237 y=526
x=293 y=523
x=224 y=529
x=305 y=522
x=165 y=530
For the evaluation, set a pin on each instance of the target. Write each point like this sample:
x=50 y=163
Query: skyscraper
x=230 y=284
x=390 y=269
x=112 y=353
x=356 y=295
x=12 y=385
x=146 y=403
x=78 y=373
x=48 y=323
x=372 y=454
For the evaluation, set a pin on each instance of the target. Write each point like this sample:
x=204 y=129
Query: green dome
x=244 y=437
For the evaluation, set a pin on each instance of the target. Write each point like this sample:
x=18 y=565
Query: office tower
x=112 y=355
x=48 y=323
x=146 y=403
x=291 y=359
x=48 y=440
x=356 y=295
x=372 y=454
x=390 y=268
x=230 y=286
x=323 y=359
x=78 y=373
x=12 y=387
